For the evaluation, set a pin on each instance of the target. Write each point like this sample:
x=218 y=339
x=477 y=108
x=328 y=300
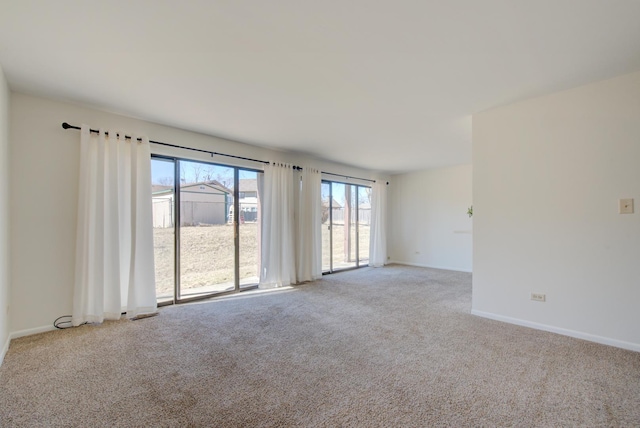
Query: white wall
x=429 y=225
x=44 y=195
x=547 y=176
x=4 y=216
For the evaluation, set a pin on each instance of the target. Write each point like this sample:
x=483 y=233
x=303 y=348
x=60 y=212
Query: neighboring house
x=204 y=203
x=337 y=214
x=364 y=212
x=162 y=205
x=248 y=200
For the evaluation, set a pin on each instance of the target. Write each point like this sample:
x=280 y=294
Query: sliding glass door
x=207 y=248
x=325 y=193
x=249 y=227
x=345 y=229
x=364 y=222
x=206 y=228
x=163 y=206
x=342 y=227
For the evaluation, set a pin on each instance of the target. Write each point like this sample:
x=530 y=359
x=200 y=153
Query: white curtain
x=114 y=241
x=309 y=227
x=378 y=237
x=278 y=227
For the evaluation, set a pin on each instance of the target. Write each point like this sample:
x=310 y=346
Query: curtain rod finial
x=65 y=125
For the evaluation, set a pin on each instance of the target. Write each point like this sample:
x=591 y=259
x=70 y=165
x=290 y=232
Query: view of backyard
x=207 y=257
x=339 y=259
x=206 y=194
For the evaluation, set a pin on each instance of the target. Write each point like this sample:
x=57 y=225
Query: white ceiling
x=385 y=85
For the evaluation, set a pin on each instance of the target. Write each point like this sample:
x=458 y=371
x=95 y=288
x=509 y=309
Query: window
x=201 y=249
x=346 y=217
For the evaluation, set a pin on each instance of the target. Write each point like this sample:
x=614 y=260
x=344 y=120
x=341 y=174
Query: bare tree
x=165 y=181
x=183 y=174
x=191 y=173
x=207 y=174
x=366 y=197
x=197 y=171
x=226 y=181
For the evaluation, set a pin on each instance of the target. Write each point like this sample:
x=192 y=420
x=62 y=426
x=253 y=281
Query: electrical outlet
x=625 y=206
x=538 y=297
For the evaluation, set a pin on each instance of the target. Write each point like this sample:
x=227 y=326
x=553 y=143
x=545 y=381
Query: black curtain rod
x=348 y=177
x=65 y=125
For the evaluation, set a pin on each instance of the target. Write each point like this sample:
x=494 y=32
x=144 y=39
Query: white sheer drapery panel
x=278 y=227
x=114 y=242
x=378 y=238
x=309 y=227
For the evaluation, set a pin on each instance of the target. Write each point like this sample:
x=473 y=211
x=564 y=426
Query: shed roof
x=158 y=189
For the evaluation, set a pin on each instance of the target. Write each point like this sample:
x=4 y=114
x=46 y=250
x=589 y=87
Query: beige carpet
x=373 y=347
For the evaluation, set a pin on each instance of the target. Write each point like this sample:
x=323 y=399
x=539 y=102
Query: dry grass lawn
x=207 y=259
x=339 y=259
x=206 y=256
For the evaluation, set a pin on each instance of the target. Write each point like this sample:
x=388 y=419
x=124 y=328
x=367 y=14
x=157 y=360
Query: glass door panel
x=207 y=248
x=325 y=193
x=342 y=233
x=163 y=200
x=364 y=223
x=352 y=225
x=337 y=226
x=249 y=183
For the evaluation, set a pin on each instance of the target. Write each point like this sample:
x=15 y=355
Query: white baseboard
x=563 y=331
x=30 y=331
x=429 y=266
x=5 y=348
